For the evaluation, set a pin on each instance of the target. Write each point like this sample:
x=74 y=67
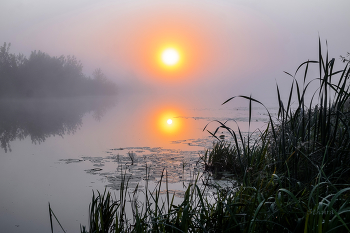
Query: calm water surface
x=58 y=151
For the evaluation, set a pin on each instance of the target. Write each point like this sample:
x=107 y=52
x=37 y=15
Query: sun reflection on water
x=169 y=123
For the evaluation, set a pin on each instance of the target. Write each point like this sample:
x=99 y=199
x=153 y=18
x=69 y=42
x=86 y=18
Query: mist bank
x=43 y=76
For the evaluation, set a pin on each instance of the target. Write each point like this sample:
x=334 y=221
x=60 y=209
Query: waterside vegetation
x=293 y=177
x=43 y=76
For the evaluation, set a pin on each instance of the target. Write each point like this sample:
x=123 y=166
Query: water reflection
x=40 y=119
x=169 y=121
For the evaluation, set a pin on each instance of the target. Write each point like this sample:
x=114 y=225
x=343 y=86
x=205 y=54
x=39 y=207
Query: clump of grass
x=222 y=157
x=102 y=213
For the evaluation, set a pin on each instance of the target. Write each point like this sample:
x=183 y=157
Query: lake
x=59 y=150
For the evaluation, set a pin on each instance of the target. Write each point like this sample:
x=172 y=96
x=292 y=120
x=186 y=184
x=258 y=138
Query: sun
x=169 y=121
x=170 y=57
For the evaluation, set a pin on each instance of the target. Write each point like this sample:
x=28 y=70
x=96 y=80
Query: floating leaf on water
x=71 y=160
x=106 y=174
x=180 y=165
x=175 y=142
x=98 y=165
x=93 y=170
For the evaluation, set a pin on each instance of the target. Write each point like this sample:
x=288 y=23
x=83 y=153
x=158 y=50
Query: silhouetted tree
x=41 y=75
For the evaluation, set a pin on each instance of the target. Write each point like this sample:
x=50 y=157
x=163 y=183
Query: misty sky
x=231 y=47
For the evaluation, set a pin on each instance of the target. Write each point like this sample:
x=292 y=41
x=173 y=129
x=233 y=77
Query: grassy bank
x=293 y=177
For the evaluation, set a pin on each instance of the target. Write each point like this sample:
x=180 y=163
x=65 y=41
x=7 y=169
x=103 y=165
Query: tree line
x=41 y=76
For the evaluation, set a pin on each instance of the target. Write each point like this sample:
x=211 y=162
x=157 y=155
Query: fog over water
x=58 y=149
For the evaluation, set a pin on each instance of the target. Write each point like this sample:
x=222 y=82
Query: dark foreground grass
x=265 y=208
x=293 y=177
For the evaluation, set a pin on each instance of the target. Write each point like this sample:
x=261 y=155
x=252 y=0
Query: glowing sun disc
x=170 y=57
x=169 y=121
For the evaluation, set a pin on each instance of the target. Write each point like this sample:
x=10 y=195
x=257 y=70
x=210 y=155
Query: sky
x=228 y=48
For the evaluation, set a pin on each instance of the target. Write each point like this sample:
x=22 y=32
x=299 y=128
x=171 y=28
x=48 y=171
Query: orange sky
x=213 y=40
x=226 y=46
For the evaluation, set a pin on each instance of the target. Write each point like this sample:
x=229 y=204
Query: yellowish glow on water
x=168 y=122
x=156 y=119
